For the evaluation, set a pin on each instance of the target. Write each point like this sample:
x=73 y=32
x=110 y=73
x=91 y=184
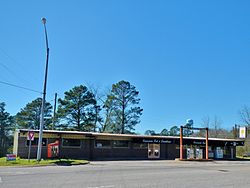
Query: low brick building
x=105 y=146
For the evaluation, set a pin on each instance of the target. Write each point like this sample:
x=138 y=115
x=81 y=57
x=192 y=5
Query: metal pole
x=181 y=143
x=206 y=143
x=39 y=149
x=28 y=138
x=53 y=124
x=235 y=131
x=29 y=150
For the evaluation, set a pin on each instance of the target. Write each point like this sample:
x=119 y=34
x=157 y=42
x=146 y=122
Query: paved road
x=131 y=174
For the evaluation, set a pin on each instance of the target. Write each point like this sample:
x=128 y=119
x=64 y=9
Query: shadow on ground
x=68 y=163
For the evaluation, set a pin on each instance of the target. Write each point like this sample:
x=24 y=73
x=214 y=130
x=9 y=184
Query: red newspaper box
x=53 y=149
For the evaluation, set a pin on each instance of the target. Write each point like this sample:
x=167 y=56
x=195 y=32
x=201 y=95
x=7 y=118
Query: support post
x=206 y=143
x=29 y=150
x=181 y=143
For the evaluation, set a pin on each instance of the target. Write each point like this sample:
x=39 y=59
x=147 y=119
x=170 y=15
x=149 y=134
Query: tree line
x=81 y=109
x=84 y=108
x=214 y=125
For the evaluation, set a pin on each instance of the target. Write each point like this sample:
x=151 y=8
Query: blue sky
x=188 y=59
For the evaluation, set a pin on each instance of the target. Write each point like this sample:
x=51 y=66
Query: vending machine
x=53 y=149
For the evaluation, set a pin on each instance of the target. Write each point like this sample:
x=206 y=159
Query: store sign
x=153 y=140
x=234 y=143
x=242 y=132
x=199 y=142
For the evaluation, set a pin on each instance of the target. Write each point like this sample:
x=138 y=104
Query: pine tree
x=124 y=101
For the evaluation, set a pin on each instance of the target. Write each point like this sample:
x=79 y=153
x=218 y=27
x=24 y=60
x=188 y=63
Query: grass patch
x=243 y=158
x=33 y=162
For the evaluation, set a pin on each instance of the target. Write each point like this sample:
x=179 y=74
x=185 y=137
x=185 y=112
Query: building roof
x=128 y=135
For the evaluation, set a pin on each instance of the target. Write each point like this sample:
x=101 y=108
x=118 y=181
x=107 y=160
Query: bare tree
x=104 y=109
x=99 y=97
x=216 y=123
x=245 y=115
x=108 y=123
x=205 y=122
x=214 y=126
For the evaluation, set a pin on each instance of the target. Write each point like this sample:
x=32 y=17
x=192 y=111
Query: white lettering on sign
x=157 y=141
x=147 y=141
x=199 y=143
x=166 y=141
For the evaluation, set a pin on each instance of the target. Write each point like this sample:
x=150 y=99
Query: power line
x=20 y=87
x=11 y=59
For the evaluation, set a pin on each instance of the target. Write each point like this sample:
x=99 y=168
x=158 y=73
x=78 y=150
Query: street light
x=39 y=149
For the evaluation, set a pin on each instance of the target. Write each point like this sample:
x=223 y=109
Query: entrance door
x=154 y=151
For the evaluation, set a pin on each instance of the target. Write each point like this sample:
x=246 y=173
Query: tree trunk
x=123 y=117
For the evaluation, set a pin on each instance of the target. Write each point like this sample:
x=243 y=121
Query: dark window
x=102 y=144
x=140 y=146
x=71 y=142
x=120 y=143
x=35 y=142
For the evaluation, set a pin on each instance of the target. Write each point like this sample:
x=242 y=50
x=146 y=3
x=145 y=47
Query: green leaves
x=6 y=126
x=29 y=116
x=123 y=101
x=173 y=131
x=82 y=109
x=77 y=109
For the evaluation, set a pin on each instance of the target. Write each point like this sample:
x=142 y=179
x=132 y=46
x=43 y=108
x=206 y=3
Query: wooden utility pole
x=206 y=143
x=181 y=143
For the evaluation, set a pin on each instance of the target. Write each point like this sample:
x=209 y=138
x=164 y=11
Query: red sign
x=53 y=149
x=31 y=136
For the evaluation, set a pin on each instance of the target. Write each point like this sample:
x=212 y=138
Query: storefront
x=105 y=146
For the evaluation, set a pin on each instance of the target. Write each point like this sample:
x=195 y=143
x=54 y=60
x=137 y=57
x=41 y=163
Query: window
x=35 y=142
x=71 y=142
x=120 y=143
x=102 y=144
x=140 y=146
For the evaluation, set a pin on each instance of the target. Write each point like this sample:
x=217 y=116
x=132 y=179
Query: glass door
x=154 y=151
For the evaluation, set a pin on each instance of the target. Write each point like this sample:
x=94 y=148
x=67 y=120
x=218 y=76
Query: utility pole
x=54 y=113
x=235 y=131
x=39 y=149
x=181 y=143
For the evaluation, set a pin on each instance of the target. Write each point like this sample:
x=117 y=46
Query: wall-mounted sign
x=153 y=140
x=199 y=142
x=193 y=142
x=242 y=132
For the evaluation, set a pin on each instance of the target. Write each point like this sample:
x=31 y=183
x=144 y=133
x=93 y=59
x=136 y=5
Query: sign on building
x=242 y=132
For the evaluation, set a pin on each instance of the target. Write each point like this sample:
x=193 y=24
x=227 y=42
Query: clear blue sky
x=188 y=59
